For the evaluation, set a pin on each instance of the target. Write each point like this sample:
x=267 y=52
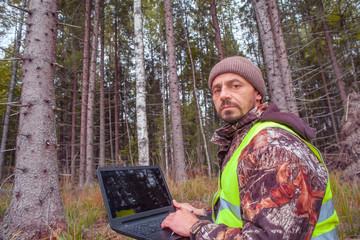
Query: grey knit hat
x=243 y=67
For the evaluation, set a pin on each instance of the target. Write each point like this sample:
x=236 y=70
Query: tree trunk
x=215 y=24
x=91 y=100
x=269 y=52
x=163 y=95
x=128 y=133
x=73 y=129
x=36 y=208
x=11 y=93
x=102 y=93
x=196 y=103
x=282 y=57
x=141 y=121
x=116 y=96
x=110 y=129
x=177 y=135
x=84 y=93
x=334 y=62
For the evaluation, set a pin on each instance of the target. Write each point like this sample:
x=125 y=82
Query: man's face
x=233 y=96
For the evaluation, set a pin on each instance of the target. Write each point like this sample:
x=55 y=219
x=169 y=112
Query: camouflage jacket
x=281 y=182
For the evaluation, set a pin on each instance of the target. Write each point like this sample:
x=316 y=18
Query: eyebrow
x=235 y=80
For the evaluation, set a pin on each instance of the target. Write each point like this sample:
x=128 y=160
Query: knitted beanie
x=243 y=67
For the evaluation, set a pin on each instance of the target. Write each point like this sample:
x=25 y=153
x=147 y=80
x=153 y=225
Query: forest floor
x=87 y=218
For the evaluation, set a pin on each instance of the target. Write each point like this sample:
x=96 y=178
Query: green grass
x=346 y=200
x=87 y=218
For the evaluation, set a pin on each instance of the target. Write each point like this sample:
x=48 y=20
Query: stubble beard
x=230 y=116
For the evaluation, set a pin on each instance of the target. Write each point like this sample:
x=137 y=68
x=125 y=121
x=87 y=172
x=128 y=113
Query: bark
x=73 y=130
x=141 y=119
x=269 y=53
x=128 y=130
x=351 y=55
x=102 y=93
x=84 y=93
x=215 y=24
x=116 y=97
x=163 y=95
x=350 y=146
x=36 y=208
x=91 y=100
x=334 y=62
x=177 y=135
x=11 y=93
x=282 y=57
x=110 y=129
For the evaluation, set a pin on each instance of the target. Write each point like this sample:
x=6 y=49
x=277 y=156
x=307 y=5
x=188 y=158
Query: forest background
x=129 y=82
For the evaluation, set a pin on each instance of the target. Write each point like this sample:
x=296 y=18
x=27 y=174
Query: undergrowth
x=87 y=219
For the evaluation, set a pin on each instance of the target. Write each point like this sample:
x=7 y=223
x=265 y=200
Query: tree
x=36 y=207
x=91 y=99
x=334 y=62
x=102 y=91
x=84 y=93
x=116 y=92
x=282 y=57
x=215 y=24
x=177 y=135
x=141 y=122
x=197 y=106
x=272 y=69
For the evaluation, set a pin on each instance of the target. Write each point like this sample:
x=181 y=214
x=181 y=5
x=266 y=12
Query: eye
x=216 y=90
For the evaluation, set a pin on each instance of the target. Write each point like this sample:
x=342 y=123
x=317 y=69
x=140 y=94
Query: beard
x=234 y=114
x=230 y=115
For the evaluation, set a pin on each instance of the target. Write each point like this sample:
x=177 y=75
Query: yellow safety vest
x=228 y=192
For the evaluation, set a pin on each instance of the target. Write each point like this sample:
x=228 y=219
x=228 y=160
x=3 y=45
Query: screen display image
x=134 y=191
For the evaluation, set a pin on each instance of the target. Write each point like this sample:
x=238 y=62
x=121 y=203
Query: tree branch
x=22 y=9
x=13 y=104
x=58 y=65
x=69 y=25
x=12 y=53
x=10 y=59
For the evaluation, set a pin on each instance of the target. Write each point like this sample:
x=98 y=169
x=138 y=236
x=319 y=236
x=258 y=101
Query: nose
x=224 y=94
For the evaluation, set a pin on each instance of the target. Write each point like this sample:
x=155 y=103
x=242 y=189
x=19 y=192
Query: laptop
x=137 y=200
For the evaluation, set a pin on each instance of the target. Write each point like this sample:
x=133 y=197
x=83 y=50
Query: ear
x=258 y=97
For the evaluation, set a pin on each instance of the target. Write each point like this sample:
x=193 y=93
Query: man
x=273 y=184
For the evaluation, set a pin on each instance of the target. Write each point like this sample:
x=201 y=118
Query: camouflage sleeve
x=281 y=185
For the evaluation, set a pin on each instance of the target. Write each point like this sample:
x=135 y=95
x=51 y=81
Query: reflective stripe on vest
x=229 y=201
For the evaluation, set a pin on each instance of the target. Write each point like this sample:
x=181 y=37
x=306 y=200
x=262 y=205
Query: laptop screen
x=136 y=190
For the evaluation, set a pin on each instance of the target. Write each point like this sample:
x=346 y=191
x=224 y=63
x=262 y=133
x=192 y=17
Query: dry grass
x=346 y=196
x=87 y=217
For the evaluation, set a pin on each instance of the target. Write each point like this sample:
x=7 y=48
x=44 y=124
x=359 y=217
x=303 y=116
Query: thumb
x=176 y=204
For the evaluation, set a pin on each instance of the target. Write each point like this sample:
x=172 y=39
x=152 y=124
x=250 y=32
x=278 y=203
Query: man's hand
x=180 y=221
x=186 y=206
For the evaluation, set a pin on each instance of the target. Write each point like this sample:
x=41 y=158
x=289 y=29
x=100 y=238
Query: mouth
x=226 y=107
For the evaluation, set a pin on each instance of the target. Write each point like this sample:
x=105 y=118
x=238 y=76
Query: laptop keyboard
x=146 y=228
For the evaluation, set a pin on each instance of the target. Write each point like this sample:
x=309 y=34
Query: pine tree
x=36 y=207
